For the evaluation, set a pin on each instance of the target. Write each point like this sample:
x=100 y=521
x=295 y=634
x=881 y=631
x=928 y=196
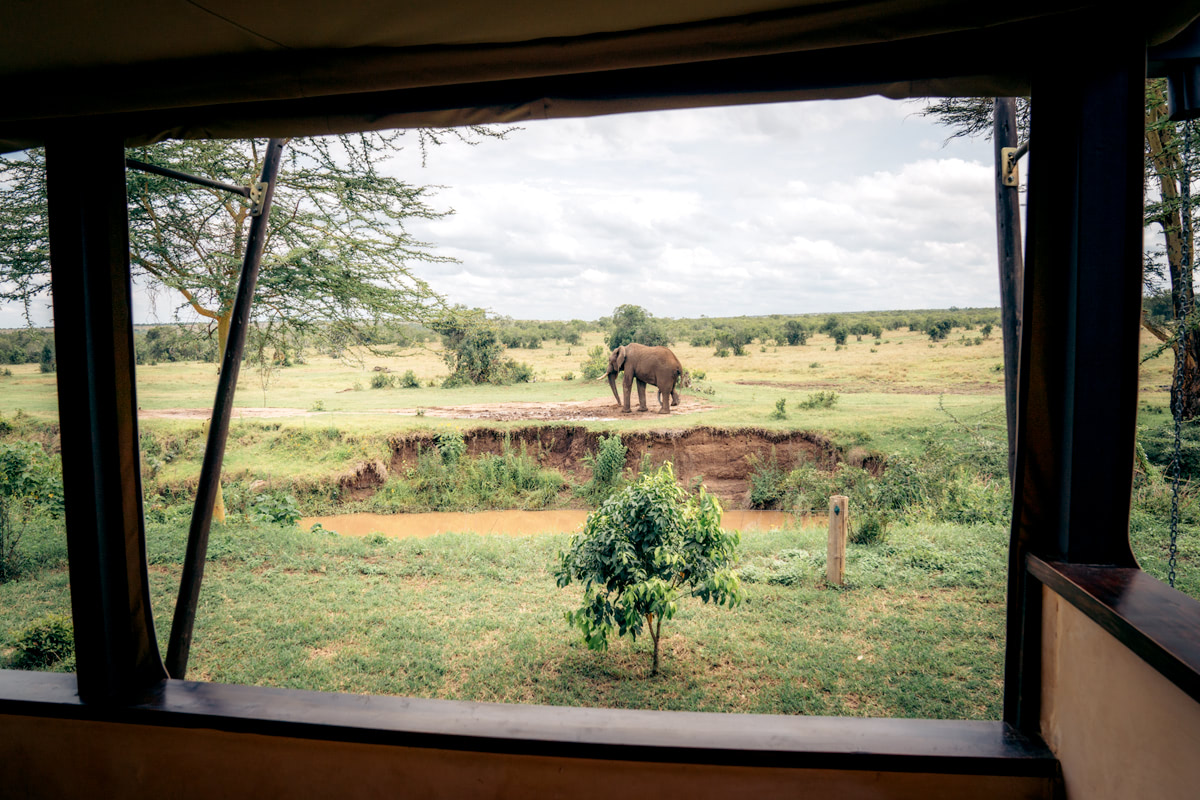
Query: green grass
x=474 y=617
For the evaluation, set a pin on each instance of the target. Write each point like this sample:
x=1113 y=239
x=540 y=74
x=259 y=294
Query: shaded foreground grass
x=918 y=633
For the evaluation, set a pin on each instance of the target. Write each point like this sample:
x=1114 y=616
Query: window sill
x=1160 y=624
x=830 y=743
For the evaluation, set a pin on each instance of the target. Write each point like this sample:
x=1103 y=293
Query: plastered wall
x=1119 y=728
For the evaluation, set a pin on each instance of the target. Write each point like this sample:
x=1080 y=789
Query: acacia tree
x=643 y=550
x=1172 y=265
x=632 y=323
x=338 y=258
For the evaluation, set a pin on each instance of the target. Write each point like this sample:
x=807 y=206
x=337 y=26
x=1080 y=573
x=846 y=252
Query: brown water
x=507 y=523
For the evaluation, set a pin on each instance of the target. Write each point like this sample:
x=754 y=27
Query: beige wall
x=1119 y=728
x=63 y=758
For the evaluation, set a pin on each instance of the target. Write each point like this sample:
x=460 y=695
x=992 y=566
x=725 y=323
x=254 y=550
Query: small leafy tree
x=644 y=549
x=473 y=350
x=635 y=324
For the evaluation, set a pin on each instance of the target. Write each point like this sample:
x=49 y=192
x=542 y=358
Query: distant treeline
x=175 y=343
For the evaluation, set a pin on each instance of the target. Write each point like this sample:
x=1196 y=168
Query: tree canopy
x=643 y=550
x=338 y=257
x=632 y=323
x=1171 y=265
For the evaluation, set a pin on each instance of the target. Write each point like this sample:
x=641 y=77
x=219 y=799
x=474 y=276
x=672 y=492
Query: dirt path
x=573 y=411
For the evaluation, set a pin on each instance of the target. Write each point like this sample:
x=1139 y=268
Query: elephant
x=656 y=366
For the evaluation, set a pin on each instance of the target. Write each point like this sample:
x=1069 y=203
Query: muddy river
x=507 y=523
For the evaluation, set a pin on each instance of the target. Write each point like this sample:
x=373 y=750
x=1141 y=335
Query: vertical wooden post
x=835 y=559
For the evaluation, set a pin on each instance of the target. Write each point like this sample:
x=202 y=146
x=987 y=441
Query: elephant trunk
x=612 y=382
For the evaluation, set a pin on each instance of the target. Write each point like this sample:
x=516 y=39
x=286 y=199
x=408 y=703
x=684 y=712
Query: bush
x=766 y=481
x=13 y=560
x=451 y=447
x=607 y=465
x=409 y=380
x=596 y=365
x=635 y=324
x=820 y=400
x=780 y=411
x=645 y=549
x=276 y=508
x=383 y=380
x=869 y=526
x=44 y=642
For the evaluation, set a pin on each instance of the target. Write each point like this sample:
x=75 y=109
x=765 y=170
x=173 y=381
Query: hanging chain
x=1185 y=269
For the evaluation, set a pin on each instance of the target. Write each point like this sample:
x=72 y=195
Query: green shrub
x=780 y=411
x=820 y=399
x=44 y=642
x=869 y=526
x=766 y=481
x=409 y=380
x=607 y=465
x=451 y=447
x=645 y=549
x=596 y=365
x=383 y=380
x=276 y=508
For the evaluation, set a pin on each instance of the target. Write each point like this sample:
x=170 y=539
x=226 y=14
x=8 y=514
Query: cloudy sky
x=785 y=208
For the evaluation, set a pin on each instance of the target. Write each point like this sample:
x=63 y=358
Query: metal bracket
x=258 y=191
x=1010 y=175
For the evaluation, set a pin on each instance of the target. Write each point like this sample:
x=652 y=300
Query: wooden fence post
x=835 y=559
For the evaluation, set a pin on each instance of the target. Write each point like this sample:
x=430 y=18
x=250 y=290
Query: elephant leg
x=641 y=384
x=664 y=399
x=674 y=397
x=628 y=392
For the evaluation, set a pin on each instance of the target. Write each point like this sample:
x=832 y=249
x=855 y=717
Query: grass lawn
x=917 y=633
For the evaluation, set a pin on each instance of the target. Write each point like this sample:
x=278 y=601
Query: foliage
x=12 y=555
x=641 y=552
x=446 y=480
x=780 y=411
x=383 y=380
x=338 y=255
x=766 y=480
x=172 y=344
x=451 y=447
x=632 y=323
x=473 y=350
x=276 y=508
x=409 y=380
x=821 y=399
x=794 y=332
x=607 y=465
x=47 y=361
x=45 y=642
x=596 y=365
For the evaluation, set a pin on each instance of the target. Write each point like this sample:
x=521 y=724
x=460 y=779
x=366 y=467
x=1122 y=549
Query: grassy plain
x=917 y=633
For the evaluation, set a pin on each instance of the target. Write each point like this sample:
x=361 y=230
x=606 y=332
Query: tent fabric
x=233 y=68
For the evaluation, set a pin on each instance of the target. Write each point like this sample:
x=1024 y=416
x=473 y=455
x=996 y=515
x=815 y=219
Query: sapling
x=643 y=550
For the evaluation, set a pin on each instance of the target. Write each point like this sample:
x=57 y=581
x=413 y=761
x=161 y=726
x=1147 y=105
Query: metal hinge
x=258 y=191
x=1008 y=157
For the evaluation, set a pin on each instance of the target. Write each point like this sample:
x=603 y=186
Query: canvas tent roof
x=224 y=68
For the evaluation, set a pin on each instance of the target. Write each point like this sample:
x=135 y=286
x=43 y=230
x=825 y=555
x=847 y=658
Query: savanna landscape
x=903 y=412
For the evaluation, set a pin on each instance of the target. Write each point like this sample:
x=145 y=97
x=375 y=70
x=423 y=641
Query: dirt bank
x=721 y=458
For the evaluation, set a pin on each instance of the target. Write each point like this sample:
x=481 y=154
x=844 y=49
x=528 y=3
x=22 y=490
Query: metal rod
x=1008 y=245
x=214 y=451
x=142 y=166
x=1023 y=149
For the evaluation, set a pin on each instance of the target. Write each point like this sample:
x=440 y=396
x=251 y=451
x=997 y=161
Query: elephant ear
x=621 y=353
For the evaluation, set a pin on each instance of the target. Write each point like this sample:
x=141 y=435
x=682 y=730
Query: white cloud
x=788 y=208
